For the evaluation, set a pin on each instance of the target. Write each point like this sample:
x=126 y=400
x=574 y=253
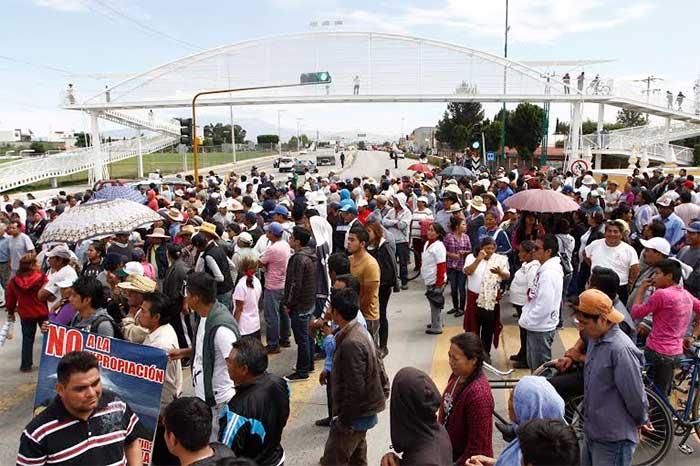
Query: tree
x=525 y=129
x=696 y=155
x=492 y=132
x=629 y=118
x=218 y=133
x=456 y=127
x=82 y=139
x=361 y=145
x=561 y=127
x=268 y=139
x=37 y=147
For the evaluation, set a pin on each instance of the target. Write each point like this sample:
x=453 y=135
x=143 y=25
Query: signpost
x=578 y=166
x=490 y=156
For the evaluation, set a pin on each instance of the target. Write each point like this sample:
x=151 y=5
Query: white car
x=285 y=164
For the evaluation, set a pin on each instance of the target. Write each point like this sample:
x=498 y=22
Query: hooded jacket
x=22 y=296
x=300 y=282
x=415 y=430
x=253 y=421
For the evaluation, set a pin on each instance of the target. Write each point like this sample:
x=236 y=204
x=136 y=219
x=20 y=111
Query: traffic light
x=185 y=131
x=315 y=78
x=476 y=136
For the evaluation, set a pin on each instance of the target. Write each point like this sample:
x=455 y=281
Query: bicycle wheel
x=696 y=411
x=573 y=414
x=654 y=446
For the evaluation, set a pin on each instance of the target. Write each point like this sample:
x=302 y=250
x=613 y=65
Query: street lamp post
x=503 y=112
x=299 y=135
x=279 y=132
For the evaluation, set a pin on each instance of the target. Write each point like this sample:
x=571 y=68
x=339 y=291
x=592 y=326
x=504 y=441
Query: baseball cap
x=693 y=227
x=60 y=251
x=281 y=210
x=664 y=201
x=275 y=228
x=334 y=205
x=130 y=268
x=362 y=202
x=250 y=216
x=349 y=208
x=657 y=244
x=268 y=205
x=597 y=303
x=246 y=238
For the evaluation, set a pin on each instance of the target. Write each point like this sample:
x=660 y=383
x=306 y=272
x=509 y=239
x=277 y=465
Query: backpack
x=565 y=259
x=102 y=318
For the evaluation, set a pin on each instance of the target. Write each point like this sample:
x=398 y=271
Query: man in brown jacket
x=300 y=299
x=359 y=385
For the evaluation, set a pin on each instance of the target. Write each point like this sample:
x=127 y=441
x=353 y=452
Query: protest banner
x=134 y=372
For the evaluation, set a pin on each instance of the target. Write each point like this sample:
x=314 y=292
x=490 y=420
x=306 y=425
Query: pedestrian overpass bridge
x=388 y=68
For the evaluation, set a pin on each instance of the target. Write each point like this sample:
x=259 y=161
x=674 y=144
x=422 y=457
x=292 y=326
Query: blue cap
x=349 y=208
x=268 y=205
x=693 y=227
x=250 y=216
x=275 y=228
x=281 y=210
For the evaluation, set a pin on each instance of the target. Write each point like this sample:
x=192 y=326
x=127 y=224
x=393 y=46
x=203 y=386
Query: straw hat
x=478 y=204
x=138 y=283
x=186 y=230
x=588 y=180
x=209 y=228
x=158 y=233
x=235 y=206
x=175 y=215
x=454 y=208
x=453 y=189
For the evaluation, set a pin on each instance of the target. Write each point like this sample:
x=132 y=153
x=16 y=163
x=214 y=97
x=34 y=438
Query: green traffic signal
x=315 y=78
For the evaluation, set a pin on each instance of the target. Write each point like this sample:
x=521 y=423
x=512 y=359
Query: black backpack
x=102 y=318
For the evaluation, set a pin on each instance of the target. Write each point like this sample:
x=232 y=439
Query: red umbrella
x=541 y=200
x=420 y=167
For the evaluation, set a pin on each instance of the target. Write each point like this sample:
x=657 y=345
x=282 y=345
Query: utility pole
x=503 y=113
x=279 y=132
x=648 y=91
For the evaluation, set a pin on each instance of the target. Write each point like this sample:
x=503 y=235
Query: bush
x=38 y=147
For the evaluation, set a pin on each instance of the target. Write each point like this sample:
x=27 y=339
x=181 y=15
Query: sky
x=44 y=44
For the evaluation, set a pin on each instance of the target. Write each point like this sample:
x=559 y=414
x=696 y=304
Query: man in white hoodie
x=541 y=312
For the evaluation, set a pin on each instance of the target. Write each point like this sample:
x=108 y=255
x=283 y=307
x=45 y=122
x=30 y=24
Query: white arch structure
x=390 y=68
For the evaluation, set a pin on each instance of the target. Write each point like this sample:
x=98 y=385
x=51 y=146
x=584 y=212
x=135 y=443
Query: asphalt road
x=303 y=441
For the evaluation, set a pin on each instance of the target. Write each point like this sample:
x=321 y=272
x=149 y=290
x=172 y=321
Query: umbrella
x=420 y=167
x=98 y=218
x=109 y=193
x=456 y=170
x=541 y=200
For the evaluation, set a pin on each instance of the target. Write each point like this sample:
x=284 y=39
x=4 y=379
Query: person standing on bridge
x=580 y=80
x=356 y=85
x=669 y=99
x=567 y=81
x=679 y=101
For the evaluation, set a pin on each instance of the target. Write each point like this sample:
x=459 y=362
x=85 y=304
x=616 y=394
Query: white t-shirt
x=474 y=280
x=221 y=382
x=65 y=273
x=250 y=317
x=433 y=255
x=620 y=258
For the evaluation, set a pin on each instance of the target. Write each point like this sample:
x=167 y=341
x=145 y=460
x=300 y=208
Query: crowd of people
x=239 y=261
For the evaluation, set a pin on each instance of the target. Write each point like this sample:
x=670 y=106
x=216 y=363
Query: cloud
x=534 y=21
x=61 y=5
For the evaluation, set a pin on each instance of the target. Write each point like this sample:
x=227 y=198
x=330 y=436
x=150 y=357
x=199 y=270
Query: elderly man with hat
x=135 y=287
x=504 y=190
x=587 y=184
x=591 y=205
x=398 y=222
x=214 y=261
x=60 y=270
x=443 y=216
x=222 y=215
x=156 y=252
x=674 y=225
x=613 y=385
x=175 y=219
x=189 y=252
x=611 y=196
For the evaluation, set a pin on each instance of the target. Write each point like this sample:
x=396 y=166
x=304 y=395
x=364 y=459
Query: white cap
x=133 y=268
x=657 y=244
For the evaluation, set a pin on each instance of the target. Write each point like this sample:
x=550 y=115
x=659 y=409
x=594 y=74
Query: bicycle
x=666 y=418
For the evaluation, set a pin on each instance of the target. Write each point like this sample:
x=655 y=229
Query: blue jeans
x=539 y=348
x=276 y=321
x=607 y=453
x=567 y=282
x=305 y=348
x=458 y=289
x=29 y=327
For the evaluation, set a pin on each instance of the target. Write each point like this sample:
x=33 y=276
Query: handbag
x=435 y=296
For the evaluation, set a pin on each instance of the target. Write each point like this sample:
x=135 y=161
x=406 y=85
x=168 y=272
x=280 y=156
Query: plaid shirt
x=454 y=246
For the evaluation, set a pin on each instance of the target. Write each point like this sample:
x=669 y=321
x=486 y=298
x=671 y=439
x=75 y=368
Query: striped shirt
x=57 y=438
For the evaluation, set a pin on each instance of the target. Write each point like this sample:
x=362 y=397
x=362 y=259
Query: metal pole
x=233 y=134
x=505 y=75
x=139 y=170
x=279 y=133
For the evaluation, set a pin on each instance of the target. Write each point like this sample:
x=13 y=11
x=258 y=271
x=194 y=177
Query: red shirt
x=470 y=424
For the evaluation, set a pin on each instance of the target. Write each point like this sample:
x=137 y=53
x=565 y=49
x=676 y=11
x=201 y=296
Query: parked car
x=301 y=165
x=284 y=164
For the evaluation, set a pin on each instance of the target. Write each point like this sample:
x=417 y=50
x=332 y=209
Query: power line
x=144 y=26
